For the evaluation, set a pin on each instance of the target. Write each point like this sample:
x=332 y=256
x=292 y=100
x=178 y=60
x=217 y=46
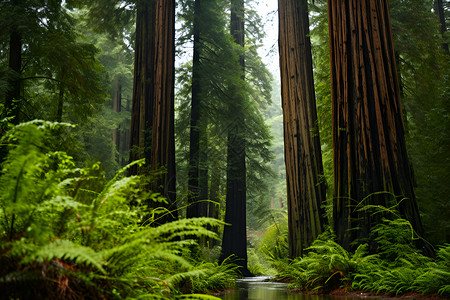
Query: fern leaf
x=64 y=249
x=198 y=297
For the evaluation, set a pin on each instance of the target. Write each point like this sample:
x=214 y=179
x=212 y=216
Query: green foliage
x=67 y=232
x=322 y=86
x=59 y=68
x=424 y=71
x=268 y=251
x=274 y=244
x=396 y=267
x=226 y=99
x=324 y=265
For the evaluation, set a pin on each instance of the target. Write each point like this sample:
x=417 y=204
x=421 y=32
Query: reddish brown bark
x=368 y=131
x=152 y=118
x=305 y=190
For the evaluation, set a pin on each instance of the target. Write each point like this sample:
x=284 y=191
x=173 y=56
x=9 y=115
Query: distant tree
x=197 y=128
x=15 y=65
x=370 y=161
x=424 y=72
x=235 y=236
x=212 y=70
x=152 y=119
x=440 y=12
x=50 y=69
x=117 y=107
x=304 y=171
x=46 y=53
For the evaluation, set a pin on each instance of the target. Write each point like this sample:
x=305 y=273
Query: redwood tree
x=305 y=189
x=197 y=130
x=371 y=165
x=152 y=117
x=234 y=240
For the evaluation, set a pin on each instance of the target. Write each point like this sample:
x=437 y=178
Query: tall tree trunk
x=143 y=85
x=235 y=235
x=439 y=10
x=15 y=64
x=125 y=138
x=117 y=107
x=12 y=97
x=368 y=131
x=152 y=117
x=305 y=189
x=193 y=209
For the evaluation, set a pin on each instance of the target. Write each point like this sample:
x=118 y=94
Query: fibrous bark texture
x=152 y=118
x=368 y=131
x=305 y=189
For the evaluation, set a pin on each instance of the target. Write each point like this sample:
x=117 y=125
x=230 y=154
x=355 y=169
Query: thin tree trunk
x=12 y=97
x=203 y=196
x=439 y=10
x=59 y=109
x=305 y=189
x=235 y=235
x=368 y=131
x=152 y=118
x=117 y=95
x=193 y=209
x=117 y=107
x=213 y=212
x=15 y=64
x=203 y=173
x=125 y=143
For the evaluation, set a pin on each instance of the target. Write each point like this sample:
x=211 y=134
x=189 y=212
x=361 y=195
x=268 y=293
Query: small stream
x=260 y=288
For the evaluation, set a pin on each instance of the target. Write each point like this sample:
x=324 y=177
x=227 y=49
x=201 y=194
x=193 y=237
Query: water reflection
x=258 y=288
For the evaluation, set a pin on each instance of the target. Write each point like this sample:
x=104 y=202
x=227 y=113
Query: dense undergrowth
x=395 y=267
x=67 y=233
x=390 y=265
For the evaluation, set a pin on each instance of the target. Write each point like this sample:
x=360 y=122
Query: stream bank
x=262 y=288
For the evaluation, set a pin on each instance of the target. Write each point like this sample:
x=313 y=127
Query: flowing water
x=259 y=288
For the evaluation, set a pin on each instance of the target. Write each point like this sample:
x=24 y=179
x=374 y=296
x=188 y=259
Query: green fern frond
x=197 y=297
x=445 y=290
x=179 y=277
x=67 y=250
